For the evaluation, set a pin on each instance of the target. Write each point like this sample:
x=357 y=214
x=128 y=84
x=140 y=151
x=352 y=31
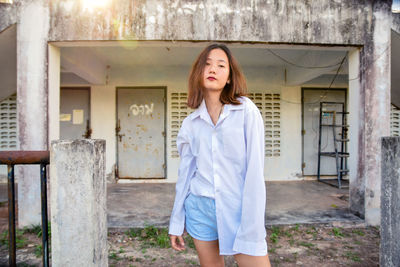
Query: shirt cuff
x=176 y=228
x=250 y=248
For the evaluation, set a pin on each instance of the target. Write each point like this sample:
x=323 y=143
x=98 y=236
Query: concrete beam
x=78 y=203
x=84 y=64
x=302 y=22
x=390 y=202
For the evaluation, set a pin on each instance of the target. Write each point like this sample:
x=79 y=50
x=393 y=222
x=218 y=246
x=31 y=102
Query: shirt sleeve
x=250 y=238
x=186 y=170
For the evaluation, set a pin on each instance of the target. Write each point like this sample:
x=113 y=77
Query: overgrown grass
x=20 y=240
x=151 y=236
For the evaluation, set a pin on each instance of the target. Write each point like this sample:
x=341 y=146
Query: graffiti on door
x=141 y=109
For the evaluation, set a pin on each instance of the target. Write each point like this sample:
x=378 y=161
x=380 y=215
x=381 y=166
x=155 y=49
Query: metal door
x=311 y=102
x=74 y=113
x=141 y=133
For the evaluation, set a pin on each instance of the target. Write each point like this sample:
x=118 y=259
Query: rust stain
x=148 y=147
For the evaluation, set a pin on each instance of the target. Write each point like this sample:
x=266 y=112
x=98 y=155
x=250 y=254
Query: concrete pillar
x=390 y=202
x=375 y=84
x=356 y=134
x=78 y=203
x=32 y=34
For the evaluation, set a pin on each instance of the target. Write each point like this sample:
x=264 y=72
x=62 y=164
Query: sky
x=396 y=6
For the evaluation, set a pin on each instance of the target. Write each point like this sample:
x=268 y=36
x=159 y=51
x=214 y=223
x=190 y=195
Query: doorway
x=140 y=133
x=312 y=97
x=75 y=113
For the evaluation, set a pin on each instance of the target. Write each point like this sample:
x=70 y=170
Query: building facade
x=119 y=72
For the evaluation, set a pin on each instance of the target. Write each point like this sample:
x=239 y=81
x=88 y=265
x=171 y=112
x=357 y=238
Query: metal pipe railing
x=12 y=158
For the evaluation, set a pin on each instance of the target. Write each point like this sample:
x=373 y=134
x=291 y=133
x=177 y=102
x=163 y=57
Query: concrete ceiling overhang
x=8 y=61
x=89 y=61
x=395 y=69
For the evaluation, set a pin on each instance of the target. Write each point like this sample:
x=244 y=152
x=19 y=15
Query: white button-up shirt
x=225 y=161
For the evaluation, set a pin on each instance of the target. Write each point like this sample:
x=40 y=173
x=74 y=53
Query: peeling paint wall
x=318 y=22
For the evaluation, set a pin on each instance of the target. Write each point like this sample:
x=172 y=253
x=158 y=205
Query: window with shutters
x=269 y=105
x=179 y=111
x=8 y=124
x=394 y=121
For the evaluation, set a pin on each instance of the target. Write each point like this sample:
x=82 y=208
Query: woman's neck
x=214 y=105
x=212 y=100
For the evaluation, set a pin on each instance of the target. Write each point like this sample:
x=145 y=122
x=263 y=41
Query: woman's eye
x=221 y=66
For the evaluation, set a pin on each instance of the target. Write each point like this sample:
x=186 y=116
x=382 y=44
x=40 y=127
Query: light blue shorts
x=201 y=220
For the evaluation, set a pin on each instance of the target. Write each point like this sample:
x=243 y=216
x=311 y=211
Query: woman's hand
x=177 y=242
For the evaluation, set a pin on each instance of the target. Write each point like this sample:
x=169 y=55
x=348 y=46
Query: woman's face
x=216 y=71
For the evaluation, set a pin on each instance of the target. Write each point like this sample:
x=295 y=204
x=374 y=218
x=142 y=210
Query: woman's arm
x=250 y=238
x=186 y=170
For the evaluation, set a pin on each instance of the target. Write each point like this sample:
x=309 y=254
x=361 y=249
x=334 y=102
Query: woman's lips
x=211 y=78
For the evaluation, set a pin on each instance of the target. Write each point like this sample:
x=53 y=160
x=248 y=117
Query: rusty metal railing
x=12 y=158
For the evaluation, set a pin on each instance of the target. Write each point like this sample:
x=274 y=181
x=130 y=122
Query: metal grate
x=8 y=124
x=394 y=121
x=269 y=105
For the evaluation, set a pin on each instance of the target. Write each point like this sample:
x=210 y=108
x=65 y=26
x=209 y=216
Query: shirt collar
x=202 y=110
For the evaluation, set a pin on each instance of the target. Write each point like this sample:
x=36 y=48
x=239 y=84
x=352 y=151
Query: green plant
x=20 y=240
x=149 y=232
x=337 y=232
x=37 y=230
x=38 y=251
x=163 y=239
x=358 y=232
x=114 y=256
x=133 y=232
x=189 y=242
x=287 y=234
x=352 y=256
x=274 y=237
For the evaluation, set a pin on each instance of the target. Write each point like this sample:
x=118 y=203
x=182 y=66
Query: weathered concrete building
x=119 y=71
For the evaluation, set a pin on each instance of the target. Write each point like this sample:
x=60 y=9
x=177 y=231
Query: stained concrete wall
x=318 y=22
x=375 y=67
x=32 y=32
x=356 y=22
x=390 y=222
x=78 y=203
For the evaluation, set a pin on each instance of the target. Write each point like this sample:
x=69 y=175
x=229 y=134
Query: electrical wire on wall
x=339 y=64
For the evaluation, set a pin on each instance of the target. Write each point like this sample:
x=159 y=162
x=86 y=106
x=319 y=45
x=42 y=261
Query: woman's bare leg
x=208 y=252
x=244 y=260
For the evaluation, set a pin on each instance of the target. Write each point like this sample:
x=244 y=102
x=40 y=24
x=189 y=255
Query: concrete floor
x=137 y=205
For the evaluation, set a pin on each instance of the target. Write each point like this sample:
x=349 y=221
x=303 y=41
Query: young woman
x=220 y=193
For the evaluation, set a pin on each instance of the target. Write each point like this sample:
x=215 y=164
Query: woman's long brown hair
x=236 y=88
